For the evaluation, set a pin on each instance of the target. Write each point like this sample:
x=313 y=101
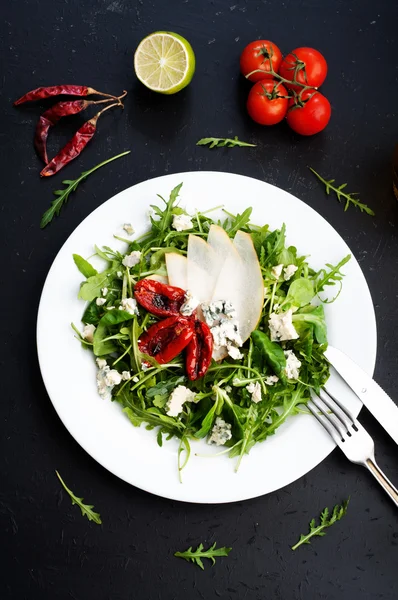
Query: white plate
x=132 y=453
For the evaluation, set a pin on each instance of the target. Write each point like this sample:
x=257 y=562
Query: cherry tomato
x=309 y=64
x=310 y=115
x=267 y=102
x=257 y=55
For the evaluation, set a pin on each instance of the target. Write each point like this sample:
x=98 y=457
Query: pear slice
x=159 y=278
x=202 y=271
x=222 y=245
x=252 y=290
x=177 y=266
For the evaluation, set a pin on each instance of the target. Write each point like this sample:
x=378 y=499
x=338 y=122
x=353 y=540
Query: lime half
x=164 y=62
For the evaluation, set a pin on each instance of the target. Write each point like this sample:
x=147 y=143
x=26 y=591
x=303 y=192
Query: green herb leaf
x=62 y=196
x=349 y=199
x=238 y=221
x=85 y=508
x=331 y=277
x=324 y=521
x=196 y=556
x=301 y=292
x=271 y=352
x=84 y=266
x=102 y=342
x=91 y=288
x=92 y=314
x=316 y=316
x=213 y=142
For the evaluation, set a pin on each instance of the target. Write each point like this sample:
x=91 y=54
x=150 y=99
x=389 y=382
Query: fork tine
x=330 y=415
x=341 y=406
x=315 y=407
x=330 y=402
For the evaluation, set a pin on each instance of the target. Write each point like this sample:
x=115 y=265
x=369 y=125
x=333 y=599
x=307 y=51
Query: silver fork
x=350 y=436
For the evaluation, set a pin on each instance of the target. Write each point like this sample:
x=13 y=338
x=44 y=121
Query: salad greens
x=196 y=556
x=325 y=521
x=85 y=508
x=226 y=391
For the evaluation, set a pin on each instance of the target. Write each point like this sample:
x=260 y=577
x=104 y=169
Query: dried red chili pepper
x=158 y=298
x=51 y=117
x=199 y=351
x=167 y=338
x=56 y=90
x=76 y=145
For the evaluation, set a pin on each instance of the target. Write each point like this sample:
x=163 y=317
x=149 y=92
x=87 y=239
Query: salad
x=207 y=330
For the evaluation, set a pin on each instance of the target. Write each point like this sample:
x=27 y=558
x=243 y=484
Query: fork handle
x=383 y=480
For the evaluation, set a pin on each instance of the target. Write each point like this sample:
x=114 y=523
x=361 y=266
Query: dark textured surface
x=49 y=551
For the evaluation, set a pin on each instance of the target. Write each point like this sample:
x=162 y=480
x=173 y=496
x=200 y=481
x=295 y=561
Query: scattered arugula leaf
x=196 y=556
x=85 y=508
x=213 y=142
x=62 y=196
x=324 y=521
x=329 y=185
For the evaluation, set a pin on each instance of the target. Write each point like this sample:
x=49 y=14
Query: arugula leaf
x=213 y=142
x=207 y=422
x=85 y=508
x=331 y=277
x=325 y=521
x=153 y=418
x=62 y=196
x=91 y=288
x=301 y=292
x=164 y=388
x=166 y=216
x=92 y=314
x=316 y=316
x=329 y=185
x=287 y=256
x=238 y=222
x=273 y=245
x=289 y=406
x=102 y=345
x=196 y=556
x=270 y=351
x=84 y=266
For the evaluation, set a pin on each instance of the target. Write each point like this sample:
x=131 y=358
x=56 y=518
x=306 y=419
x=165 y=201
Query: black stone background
x=48 y=550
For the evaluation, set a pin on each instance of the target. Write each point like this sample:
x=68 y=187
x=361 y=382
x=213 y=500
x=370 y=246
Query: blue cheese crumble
x=107 y=378
x=190 y=304
x=221 y=432
x=221 y=317
x=182 y=222
x=289 y=271
x=281 y=327
x=132 y=259
x=129 y=305
x=88 y=333
x=178 y=397
x=293 y=365
x=254 y=388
